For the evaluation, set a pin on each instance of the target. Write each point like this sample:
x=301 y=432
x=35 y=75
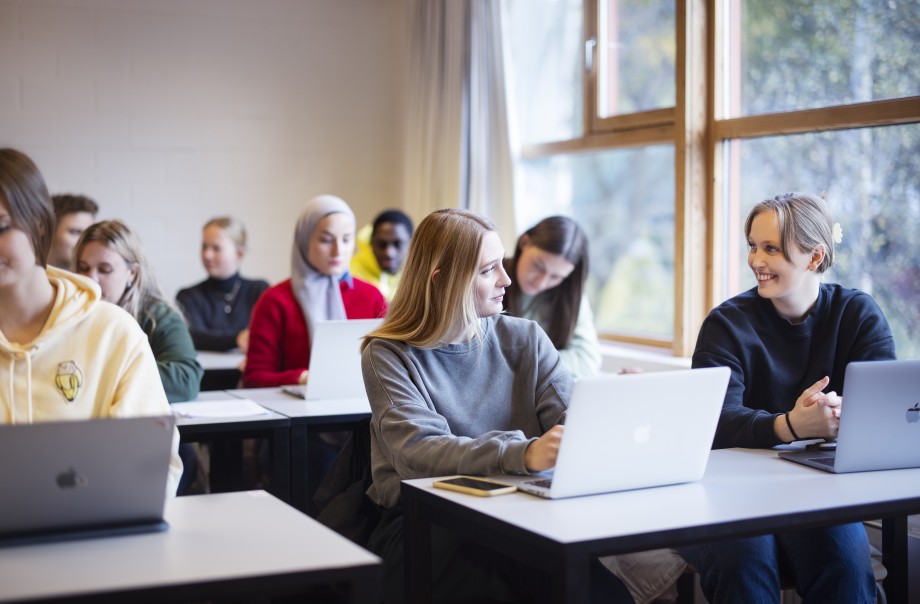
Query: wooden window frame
x=698 y=134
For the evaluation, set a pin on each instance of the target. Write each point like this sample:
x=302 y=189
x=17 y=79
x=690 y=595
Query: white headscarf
x=318 y=294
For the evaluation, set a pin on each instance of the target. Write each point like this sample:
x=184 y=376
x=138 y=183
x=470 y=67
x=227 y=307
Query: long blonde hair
x=144 y=292
x=434 y=302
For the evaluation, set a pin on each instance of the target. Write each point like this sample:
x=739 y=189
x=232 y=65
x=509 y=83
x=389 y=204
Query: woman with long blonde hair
x=112 y=255
x=456 y=387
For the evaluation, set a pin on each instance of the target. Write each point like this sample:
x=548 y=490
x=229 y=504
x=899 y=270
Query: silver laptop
x=75 y=479
x=879 y=420
x=335 y=360
x=634 y=431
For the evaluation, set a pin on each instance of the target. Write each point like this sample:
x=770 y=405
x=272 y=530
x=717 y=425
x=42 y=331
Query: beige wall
x=169 y=112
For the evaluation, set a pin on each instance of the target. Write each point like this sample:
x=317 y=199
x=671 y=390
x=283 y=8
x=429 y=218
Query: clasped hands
x=816 y=413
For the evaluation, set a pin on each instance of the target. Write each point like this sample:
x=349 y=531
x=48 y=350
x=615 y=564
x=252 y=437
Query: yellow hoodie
x=91 y=360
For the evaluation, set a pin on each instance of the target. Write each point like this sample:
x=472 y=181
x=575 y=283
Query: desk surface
x=213 y=360
x=743 y=492
x=225 y=545
x=194 y=426
x=309 y=411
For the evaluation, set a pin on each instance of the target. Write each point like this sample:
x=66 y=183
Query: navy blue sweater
x=204 y=306
x=773 y=361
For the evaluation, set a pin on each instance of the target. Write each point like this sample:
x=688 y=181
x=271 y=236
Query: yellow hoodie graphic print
x=68 y=380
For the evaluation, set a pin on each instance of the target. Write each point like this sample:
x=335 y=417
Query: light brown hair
x=70 y=203
x=435 y=302
x=25 y=196
x=804 y=221
x=139 y=298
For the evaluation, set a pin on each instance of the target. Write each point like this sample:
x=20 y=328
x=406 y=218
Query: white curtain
x=458 y=151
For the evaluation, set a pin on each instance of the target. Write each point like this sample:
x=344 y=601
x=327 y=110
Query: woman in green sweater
x=111 y=254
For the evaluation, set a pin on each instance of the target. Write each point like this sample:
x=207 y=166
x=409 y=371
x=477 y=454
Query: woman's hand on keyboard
x=541 y=453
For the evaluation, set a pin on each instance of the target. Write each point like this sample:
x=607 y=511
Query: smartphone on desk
x=475 y=486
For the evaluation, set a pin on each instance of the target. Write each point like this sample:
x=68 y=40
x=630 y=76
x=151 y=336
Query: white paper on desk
x=231 y=407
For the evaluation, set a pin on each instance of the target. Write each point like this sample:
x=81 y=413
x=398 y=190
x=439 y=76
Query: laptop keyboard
x=544 y=483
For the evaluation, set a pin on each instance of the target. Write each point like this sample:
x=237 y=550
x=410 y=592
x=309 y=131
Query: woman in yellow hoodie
x=64 y=355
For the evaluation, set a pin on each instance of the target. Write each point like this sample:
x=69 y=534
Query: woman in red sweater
x=320 y=288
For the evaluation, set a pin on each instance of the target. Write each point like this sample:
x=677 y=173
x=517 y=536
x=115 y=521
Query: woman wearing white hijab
x=320 y=288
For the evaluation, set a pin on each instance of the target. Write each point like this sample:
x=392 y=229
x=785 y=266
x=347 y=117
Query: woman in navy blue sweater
x=788 y=342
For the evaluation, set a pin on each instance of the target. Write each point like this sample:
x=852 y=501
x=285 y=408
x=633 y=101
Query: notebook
x=76 y=479
x=634 y=431
x=335 y=360
x=879 y=420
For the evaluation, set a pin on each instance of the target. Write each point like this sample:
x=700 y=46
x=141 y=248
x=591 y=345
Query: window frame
x=698 y=129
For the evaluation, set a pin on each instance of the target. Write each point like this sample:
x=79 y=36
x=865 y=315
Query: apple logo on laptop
x=71 y=479
x=913 y=414
x=642 y=434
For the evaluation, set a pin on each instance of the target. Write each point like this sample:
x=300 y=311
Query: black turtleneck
x=218 y=309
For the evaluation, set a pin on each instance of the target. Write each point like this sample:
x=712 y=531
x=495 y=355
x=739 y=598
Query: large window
x=624 y=199
x=622 y=193
x=690 y=113
x=805 y=54
x=545 y=39
x=869 y=177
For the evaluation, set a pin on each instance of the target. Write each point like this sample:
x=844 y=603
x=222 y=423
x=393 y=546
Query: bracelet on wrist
x=791 y=430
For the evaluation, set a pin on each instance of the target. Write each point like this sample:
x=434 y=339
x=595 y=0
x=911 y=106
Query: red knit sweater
x=279 y=345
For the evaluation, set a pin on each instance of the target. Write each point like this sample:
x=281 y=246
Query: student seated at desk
x=788 y=342
x=548 y=274
x=219 y=308
x=111 y=254
x=64 y=355
x=456 y=387
x=73 y=214
x=320 y=288
x=381 y=249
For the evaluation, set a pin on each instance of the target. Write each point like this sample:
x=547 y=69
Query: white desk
x=231 y=545
x=743 y=493
x=230 y=359
x=308 y=418
x=275 y=427
x=221 y=369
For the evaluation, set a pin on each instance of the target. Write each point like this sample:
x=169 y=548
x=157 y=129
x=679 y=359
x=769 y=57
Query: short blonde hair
x=434 y=301
x=232 y=227
x=804 y=221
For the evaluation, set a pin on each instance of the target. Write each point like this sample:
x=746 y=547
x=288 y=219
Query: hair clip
x=838 y=233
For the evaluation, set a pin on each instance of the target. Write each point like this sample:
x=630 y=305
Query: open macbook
x=335 y=360
x=879 y=420
x=633 y=431
x=74 y=479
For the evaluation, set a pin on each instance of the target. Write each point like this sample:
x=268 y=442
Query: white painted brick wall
x=169 y=112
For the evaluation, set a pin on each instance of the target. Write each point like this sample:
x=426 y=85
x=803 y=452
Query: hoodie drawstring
x=29 y=383
x=9 y=398
x=11 y=402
